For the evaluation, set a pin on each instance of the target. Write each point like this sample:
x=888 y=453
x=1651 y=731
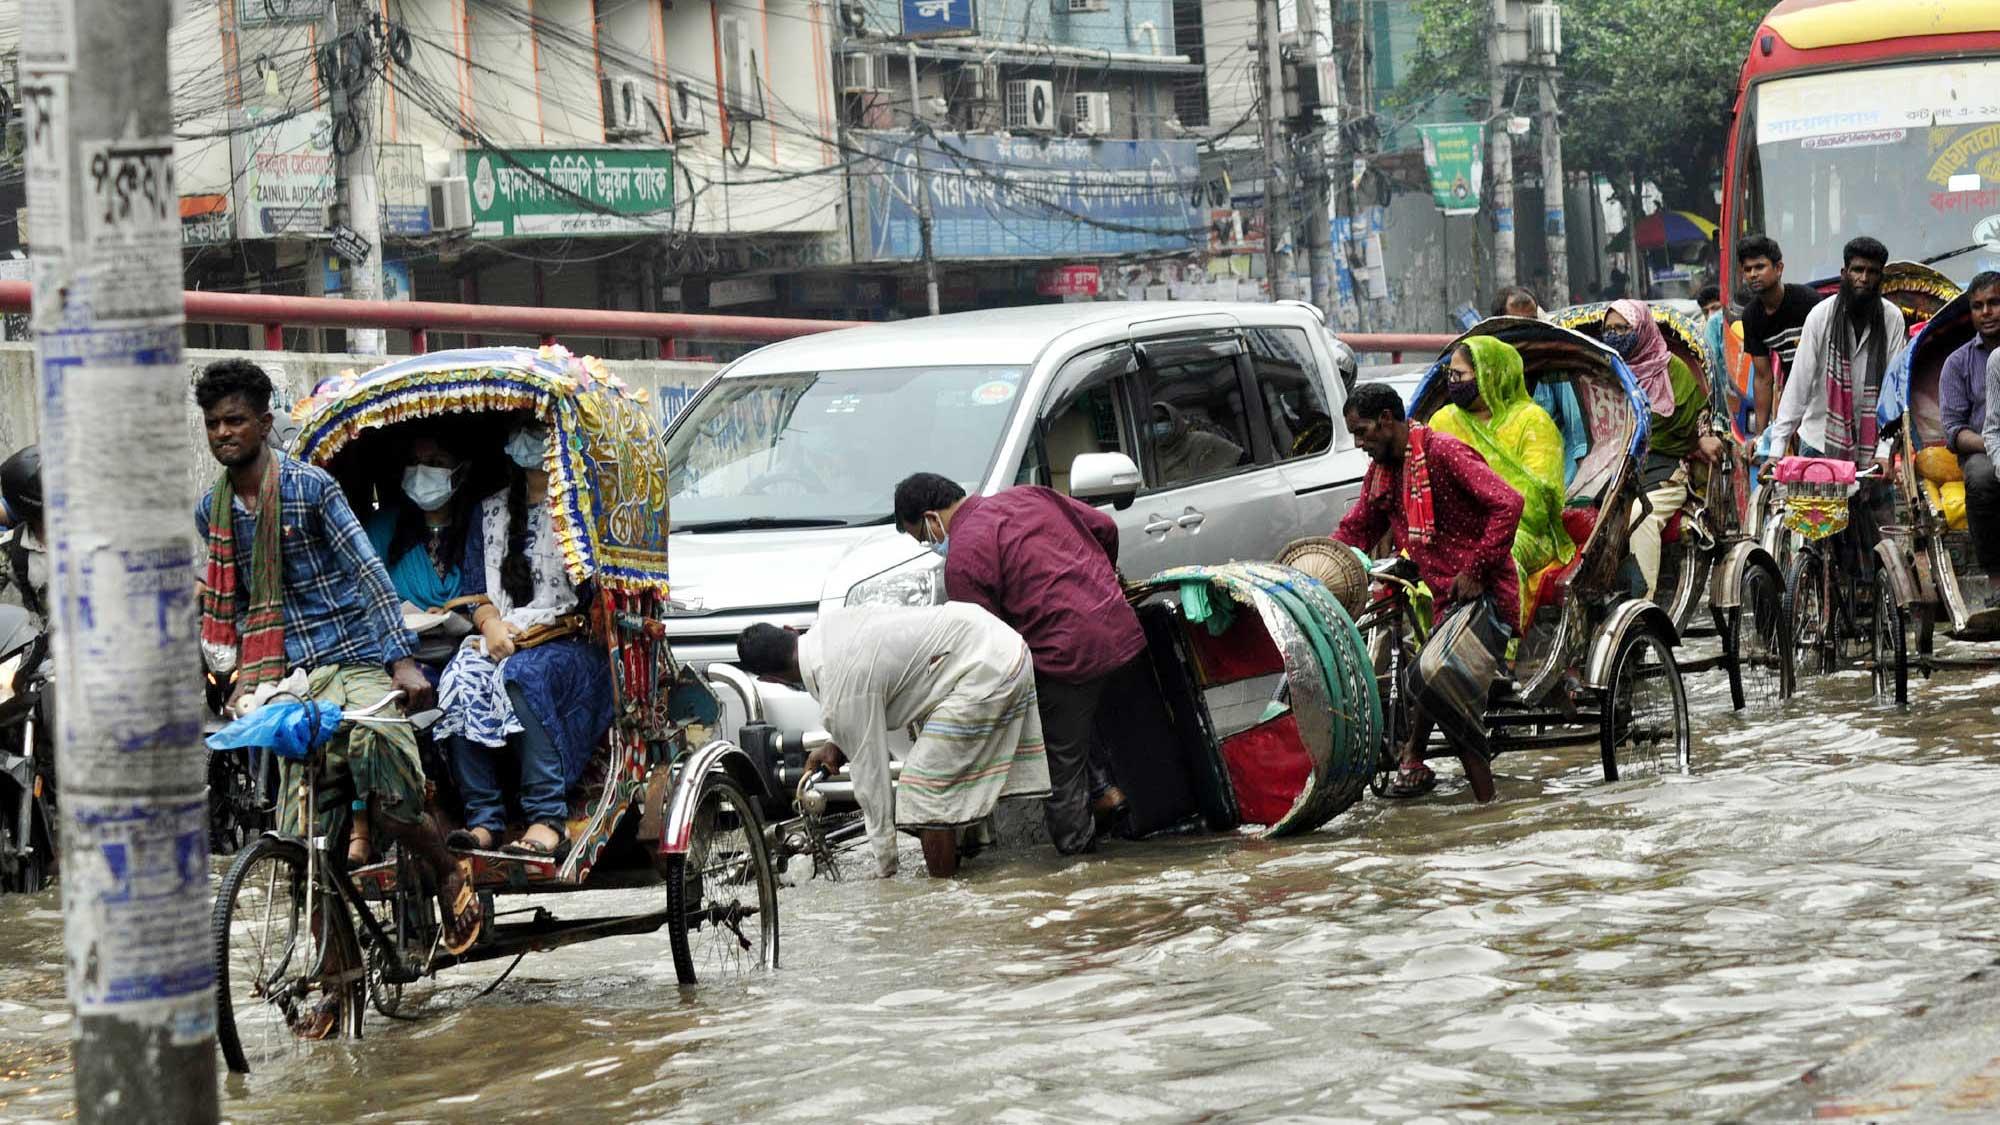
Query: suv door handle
x=1190 y=518
x=1158 y=524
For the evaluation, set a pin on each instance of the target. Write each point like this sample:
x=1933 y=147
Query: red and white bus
x=1878 y=117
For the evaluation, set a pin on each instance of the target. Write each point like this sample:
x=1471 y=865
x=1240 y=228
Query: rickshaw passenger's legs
x=1644 y=542
x=1982 y=510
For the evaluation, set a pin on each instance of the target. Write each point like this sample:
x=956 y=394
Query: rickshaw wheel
x=1891 y=647
x=1644 y=728
x=1760 y=645
x=1809 y=614
x=279 y=980
x=722 y=893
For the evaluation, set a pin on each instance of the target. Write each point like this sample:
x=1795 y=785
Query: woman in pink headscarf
x=1679 y=402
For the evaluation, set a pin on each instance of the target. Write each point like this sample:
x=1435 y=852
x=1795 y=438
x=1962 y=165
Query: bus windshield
x=1909 y=154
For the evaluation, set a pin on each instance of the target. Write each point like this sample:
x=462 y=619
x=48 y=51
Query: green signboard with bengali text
x=570 y=192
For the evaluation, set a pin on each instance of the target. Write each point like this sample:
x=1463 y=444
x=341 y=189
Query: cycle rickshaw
x=1928 y=571
x=1594 y=663
x=1253 y=705
x=301 y=937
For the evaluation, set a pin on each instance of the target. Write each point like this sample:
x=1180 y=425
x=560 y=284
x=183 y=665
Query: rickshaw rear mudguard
x=1635 y=614
x=685 y=797
x=1902 y=580
x=1725 y=584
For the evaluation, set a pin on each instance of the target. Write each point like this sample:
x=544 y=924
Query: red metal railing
x=420 y=318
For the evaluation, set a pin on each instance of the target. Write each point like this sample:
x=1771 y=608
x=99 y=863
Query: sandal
x=467 y=839
x=462 y=915
x=1412 y=781
x=536 y=849
x=319 y=1021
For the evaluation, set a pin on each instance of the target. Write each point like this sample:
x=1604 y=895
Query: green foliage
x=1646 y=85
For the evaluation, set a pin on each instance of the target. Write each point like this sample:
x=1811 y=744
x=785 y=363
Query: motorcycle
x=28 y=848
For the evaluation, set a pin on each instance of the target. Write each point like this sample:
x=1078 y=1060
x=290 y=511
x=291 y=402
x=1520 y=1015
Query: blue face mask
x=942 y=543
x=429 y=487
x=1162 y=430
x=526 y=446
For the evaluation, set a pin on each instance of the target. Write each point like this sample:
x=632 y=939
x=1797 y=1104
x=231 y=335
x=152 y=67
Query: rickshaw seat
x=1672 y=532
x=1580 y=523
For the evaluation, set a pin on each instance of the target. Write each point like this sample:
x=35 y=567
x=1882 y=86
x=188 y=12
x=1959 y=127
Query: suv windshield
x=827 y=448
x=1908 y=153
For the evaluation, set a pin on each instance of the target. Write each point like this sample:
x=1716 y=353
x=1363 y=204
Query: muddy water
x=1576 y=951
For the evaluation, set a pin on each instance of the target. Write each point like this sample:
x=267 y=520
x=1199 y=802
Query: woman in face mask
x=420 y=532
x=529 y=690
x=1679 y=403
x=1490 y=410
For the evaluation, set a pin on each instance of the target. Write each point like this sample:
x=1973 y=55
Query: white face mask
x=429 y=487
x=527 y=446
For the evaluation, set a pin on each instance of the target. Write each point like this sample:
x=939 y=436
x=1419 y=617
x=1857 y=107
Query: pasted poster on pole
x=284 y=173
x=1455 y=157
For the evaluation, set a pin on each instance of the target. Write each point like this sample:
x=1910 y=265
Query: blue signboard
x=929 y=19
x=1024 y=197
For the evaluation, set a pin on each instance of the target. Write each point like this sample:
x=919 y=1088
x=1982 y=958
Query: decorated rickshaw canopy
x=1685 y=335
x=1544 y=345
x=606 y=461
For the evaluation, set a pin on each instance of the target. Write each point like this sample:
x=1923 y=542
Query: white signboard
x=1844 y=103
x=284 y=181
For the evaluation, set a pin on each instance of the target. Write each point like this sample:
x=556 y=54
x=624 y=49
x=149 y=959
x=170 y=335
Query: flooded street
x=1576 y=951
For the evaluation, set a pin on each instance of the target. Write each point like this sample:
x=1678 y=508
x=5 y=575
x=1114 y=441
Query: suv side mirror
x=1095 y=477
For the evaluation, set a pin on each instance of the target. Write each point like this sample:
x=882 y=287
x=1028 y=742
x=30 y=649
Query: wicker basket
x=1337 y=566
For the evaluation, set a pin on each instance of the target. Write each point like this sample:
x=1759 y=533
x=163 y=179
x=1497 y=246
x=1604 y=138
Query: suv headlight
x=917 y=582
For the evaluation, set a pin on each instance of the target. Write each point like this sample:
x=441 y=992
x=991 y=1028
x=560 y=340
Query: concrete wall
x=295 y=373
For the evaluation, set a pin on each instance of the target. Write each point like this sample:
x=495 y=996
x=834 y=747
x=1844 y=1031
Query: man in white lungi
x=956 y=673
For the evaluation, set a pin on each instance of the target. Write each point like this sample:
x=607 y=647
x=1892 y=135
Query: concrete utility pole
x=356 y=189
x=105 y=223
x=1319 y=216
x=1277 y=188
x=1503 y=154
x=924 y=225
x=1555 y=223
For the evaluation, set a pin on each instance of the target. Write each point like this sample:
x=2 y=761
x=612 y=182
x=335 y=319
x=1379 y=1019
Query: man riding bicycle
x=1455 y=518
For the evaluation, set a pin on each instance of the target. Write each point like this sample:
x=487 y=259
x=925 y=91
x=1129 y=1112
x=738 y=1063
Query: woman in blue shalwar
x=547 y=705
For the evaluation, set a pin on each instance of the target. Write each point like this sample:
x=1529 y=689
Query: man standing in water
x=1455 y=517
x=1046 y=565
x=291 y=583
x=956 y=673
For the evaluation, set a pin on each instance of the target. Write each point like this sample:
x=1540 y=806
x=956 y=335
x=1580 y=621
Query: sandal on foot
x=319 y=1021
x=462 y=915
x=1412 y=781
x=467 y=840
x=538 y=850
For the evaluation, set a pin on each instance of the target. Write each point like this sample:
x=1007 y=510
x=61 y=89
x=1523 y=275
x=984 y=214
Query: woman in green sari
x=1490 y=410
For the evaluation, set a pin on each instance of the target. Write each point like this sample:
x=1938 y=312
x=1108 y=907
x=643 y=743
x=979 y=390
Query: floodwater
x=1576 y=951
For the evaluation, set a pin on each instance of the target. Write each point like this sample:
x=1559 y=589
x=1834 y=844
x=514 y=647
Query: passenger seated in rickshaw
x=1971 y=429
x=422 y=536
x=1489 y=410
x=531 y=680
x=1455 y=518
x=1558 y=398
x=1678 y=433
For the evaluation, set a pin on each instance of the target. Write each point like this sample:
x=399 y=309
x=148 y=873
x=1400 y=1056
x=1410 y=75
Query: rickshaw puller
x=1455 y=518
x=291 y=582
x=955 y=672
x=1970 y=429
x=1047 y=566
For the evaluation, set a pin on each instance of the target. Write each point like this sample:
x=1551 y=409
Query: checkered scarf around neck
x=1417 y=513
x=1850 y=409
x=260 y=650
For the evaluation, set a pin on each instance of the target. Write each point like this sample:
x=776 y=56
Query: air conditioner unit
x=451 y=204
x=1545 y=31
x=864 y=73
x=1083 y=5
x=1031 y=105
x=1092 y=114
x=740 y=87
x=624 y=109
x=690 y=115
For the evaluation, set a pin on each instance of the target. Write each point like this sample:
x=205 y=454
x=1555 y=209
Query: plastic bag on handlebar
x=288 y=728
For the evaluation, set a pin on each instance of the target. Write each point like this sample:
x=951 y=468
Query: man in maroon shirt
x=1439 y=503
x=1046 y=565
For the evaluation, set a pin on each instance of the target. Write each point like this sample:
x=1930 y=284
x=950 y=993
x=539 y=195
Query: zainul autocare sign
x=284 y=184
x=569 y=192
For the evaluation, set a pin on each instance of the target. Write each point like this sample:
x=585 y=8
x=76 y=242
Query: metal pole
x=1277 y=199
x=99 y=130
x=357 y=190
x=1555 y=222
x=924 y=225
x=1503 y=155
x=1319 y=219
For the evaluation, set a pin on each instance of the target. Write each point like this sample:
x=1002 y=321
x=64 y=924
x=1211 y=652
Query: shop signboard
x=406 y=200
x=1023 y=197
x=284 y=182
x=1068 y=281
x=569 y=192
x=205 y=220
x=934 y=19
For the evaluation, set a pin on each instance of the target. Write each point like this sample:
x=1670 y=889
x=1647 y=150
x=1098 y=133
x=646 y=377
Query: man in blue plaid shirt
x=328 y=594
